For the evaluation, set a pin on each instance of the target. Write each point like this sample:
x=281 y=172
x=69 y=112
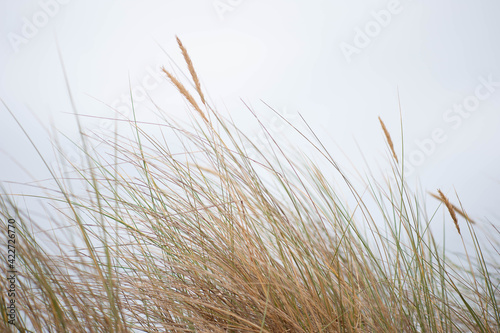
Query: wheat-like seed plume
x=185 y=93
x=455 y=208
x=389 y=140
x=191 y=69
x=448 y=204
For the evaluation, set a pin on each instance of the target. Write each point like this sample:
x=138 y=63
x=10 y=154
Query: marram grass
x=213 y=240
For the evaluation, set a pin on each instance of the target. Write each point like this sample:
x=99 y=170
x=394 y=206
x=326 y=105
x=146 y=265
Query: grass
x=211 y=240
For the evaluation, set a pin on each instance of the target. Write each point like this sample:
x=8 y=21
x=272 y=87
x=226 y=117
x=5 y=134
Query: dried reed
x=451 y=209
x=389 y=140
x=185 y=93
x=191 y=70
x=456 y=209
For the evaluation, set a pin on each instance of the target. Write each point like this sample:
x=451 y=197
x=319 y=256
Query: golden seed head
x=451 y=209
x=389 y=140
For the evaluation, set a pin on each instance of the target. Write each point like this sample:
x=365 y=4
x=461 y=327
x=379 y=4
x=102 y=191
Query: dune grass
x=213 y=240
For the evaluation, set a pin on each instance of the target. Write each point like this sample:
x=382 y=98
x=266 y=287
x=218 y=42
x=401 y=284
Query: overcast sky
x=339 y=63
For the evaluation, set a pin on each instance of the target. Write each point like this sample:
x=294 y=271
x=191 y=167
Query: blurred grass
x=213 y=240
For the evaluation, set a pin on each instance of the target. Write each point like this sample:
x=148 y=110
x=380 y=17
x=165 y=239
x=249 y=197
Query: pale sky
x=338 y=63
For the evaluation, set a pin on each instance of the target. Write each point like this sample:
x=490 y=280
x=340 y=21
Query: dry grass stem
x=451 y=209
x=191 y=70
x=389 y=140
x=456 y=209
x=185 y=93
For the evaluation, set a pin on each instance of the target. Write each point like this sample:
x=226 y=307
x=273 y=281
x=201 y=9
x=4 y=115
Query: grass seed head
x=191 y=70
x=389 y=140
x=185 y=93
x=451 y=209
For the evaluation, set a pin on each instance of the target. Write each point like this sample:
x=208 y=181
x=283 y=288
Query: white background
x=290 y=54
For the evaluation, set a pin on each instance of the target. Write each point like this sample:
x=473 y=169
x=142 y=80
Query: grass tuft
x=219 y=236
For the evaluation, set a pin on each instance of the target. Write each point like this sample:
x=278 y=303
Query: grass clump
x=212 y=240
